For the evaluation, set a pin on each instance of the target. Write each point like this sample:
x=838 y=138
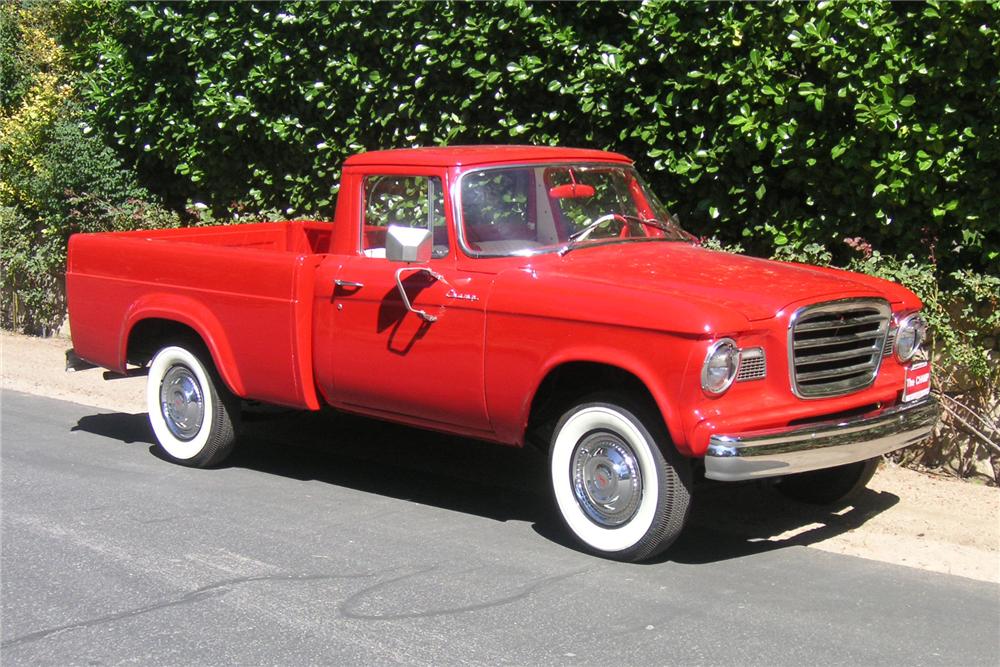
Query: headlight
x=910 y=336
x=721 y=364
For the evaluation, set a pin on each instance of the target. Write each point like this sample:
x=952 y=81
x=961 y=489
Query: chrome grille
x=890 y=342
x=753 y=365
x=836 y=348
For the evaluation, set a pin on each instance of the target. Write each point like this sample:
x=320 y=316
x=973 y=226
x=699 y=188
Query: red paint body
x=262 y=298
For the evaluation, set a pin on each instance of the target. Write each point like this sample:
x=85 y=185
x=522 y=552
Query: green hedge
x=788 y=129
x=57 y=175
x=770 y=124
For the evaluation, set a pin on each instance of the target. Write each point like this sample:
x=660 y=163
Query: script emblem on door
x=452 y=294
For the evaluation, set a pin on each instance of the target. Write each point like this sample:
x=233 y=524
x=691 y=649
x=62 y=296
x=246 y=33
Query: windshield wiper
x=581 y=234
x=667 y=226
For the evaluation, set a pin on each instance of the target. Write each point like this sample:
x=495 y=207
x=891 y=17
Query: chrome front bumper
x=793 y=449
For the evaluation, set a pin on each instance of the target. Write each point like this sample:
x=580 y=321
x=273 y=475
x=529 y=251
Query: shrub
x=33 y=96
x=763 y=124
x=56 y=175
x=74 y=184
x=30 y=293
x=963 y=311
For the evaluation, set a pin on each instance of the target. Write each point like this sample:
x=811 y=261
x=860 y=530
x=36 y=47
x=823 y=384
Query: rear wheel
x=193 y=415
x=619 y=493
x=823 y=487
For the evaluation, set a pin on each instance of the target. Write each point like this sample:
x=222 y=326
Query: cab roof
x=460 y=156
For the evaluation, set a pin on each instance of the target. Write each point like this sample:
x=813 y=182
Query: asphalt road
x=336 y=540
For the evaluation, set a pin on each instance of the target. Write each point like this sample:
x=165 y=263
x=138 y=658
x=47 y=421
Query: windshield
x=545 y=208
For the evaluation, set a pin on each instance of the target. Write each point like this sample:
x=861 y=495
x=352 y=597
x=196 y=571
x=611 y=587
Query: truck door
x=386 y=359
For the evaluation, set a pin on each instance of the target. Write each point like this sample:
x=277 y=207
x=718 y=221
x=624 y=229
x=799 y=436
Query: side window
x=498 y=210
x=411 y=201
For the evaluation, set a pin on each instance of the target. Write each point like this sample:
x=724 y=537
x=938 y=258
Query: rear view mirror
x=408 y=244
x=572 y=191
x=411 y=244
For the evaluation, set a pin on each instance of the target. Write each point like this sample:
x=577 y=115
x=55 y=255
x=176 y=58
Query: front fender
x=661 y=382
x=521 y=351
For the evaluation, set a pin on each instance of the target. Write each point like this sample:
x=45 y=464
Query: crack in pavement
x=349 y=607
x=208 y=592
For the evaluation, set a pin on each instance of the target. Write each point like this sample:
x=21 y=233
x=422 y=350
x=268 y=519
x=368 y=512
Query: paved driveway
x=331 y=539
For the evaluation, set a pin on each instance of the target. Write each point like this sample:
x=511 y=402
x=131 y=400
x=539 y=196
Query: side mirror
x=572 y=191
x=408 y=244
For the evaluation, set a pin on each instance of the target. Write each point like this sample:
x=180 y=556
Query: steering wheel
x=585 y=232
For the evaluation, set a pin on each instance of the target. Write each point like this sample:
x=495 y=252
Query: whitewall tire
x=622 y=492
x=193 y=415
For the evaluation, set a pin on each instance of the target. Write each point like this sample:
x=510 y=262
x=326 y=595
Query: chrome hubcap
x=606 y=478
x=182 y=402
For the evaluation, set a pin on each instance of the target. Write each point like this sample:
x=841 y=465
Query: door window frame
x=361 y=212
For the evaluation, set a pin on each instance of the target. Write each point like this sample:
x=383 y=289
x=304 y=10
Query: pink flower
x=861 y=245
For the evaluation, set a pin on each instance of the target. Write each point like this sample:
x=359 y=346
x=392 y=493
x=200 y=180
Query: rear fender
x=193 y=314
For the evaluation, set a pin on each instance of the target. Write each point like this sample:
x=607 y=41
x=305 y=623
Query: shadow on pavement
x=130 y=429
x=462 y=475
x=501 y=483
x=736 y=520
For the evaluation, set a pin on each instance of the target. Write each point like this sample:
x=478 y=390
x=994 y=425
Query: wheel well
x=570 y=382
x=147 y=337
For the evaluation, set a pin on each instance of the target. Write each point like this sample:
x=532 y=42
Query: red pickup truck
x=519 y=295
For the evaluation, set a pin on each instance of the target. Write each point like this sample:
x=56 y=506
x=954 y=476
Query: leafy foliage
x=33 y=95
x=56 y=176
x=963 y=320
x=764 y=124
x=781 y=128
x=77 y=184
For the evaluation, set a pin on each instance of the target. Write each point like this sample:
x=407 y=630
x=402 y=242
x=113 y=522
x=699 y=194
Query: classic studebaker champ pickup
x=519 y=295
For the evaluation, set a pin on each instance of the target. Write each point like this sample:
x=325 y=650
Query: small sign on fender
x=918 y=381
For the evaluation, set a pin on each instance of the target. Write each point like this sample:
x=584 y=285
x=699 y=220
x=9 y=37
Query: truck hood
x=759 y=289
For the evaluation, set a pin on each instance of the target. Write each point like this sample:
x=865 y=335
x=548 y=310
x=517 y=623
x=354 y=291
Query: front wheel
x=619 y=493
x=193 y=415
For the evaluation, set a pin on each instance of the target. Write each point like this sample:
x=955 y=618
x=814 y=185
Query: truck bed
x=297 y=237
x=245 y=289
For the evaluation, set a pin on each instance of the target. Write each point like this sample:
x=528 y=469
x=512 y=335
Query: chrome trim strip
x=795 y=449
x=842 y=387
x=853 y=369
x=814 y=326
x=890 y=341
x=833 y=340
x=839 y=356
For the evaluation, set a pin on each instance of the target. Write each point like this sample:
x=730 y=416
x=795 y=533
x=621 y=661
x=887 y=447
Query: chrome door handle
x=348 y=283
